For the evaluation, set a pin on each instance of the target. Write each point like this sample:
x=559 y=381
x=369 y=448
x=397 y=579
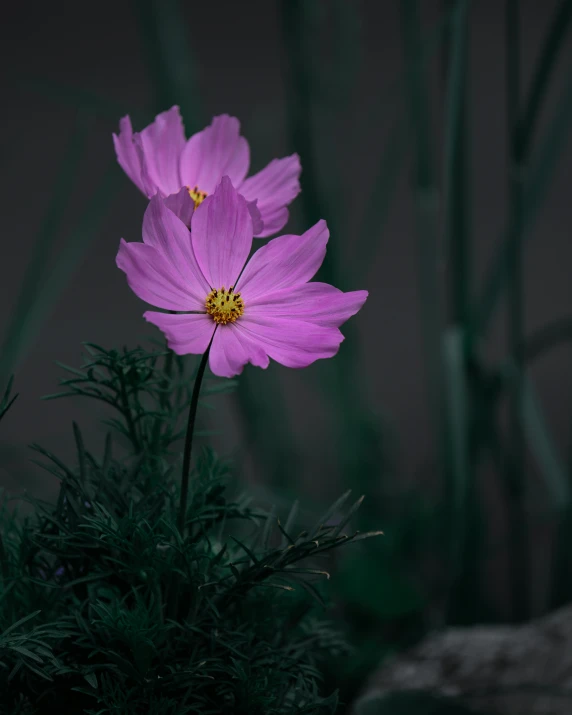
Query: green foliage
x=148 y=391
x=6 y=402
x=106 y=606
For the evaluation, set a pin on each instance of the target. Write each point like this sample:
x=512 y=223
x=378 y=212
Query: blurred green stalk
x=518 y=567
x=170 y=60
x=536 y=180
x=41 y=288
x=299 y=17
x=296 y=17
x=462 y=508
x=426 y=214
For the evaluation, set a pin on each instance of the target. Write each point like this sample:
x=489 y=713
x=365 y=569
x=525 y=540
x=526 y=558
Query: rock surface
x=505 y=670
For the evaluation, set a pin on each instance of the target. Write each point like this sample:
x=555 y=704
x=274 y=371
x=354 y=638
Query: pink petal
x=181 y=205
x=232 y=349
x=284 y=262
x=153 y=279
x=293 y=343
x=169 y=235
x=160 y=146
x=214 y=152
x=272 y=221
x=275 y=187
x=257 y=224
x=185 y=334
x=222 y=235
x=127 y=155
x=318 y=303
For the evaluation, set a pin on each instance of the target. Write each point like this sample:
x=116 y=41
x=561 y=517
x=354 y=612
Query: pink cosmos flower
x=252 y=311
x=160 y=160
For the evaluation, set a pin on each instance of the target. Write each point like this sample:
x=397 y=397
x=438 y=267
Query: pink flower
x=160 y=160
x=252 y=311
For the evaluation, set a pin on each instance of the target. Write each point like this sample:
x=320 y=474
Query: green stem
x=518 y=552
x=543 y=340
x=127 y=415
x=3 y=561
x=551 y=48
x=462 y=600
x=427 y=211
x=542 y=167
x=164 y=399
x=166 y=47
x=189 y=440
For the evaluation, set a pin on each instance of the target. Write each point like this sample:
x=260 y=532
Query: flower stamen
x=225 y=306
x=197 y=195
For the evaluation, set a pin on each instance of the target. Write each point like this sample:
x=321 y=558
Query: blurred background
x=435 y=140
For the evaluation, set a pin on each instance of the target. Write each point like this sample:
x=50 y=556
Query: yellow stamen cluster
x=197 y=195
x=225 y=306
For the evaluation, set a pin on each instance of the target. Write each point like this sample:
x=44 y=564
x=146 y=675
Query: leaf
x=19 y=623
x=250 y=553
x=334 y=509
x=28 y=653
x=6 y=403
x=267 y=531
x=349 y=515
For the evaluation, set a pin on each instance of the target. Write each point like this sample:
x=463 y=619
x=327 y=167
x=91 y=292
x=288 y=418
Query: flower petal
x=127 y=155
x=284 y=262
x=181 y=205
x=169 y=235
x=272 y=221
x=257 y=224
x=185 y=334
x=222 y=235
x=318 y=303
x=153 y=279
x=293 y=343
x=275 y=187
x=216 y=151
x=161 y=145
x=232 y=349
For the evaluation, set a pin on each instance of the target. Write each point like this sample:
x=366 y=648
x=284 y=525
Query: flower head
x=160 y=160
x=251 y=311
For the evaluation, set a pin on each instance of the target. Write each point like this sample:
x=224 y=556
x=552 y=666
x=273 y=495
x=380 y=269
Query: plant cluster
x=107 y=607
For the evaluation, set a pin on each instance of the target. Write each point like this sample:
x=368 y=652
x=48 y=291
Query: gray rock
x=505 y=670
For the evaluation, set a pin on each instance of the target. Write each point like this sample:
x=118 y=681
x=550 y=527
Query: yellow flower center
x=197 y=195
x=225 y=306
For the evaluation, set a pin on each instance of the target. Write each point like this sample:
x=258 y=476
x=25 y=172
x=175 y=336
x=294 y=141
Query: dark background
x=103 y=60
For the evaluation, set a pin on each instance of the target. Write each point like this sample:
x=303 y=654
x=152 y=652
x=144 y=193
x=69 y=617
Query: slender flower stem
x=189 y=440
